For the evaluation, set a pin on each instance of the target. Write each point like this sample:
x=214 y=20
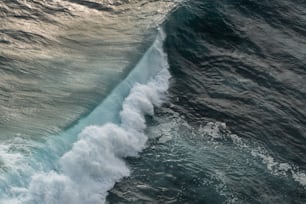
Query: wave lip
x=96 y=160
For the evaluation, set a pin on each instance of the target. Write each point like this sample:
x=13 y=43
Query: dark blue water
x=234 y=128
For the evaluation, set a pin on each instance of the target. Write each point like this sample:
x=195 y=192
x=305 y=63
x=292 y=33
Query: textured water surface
x=99 y=106
x=233 y=129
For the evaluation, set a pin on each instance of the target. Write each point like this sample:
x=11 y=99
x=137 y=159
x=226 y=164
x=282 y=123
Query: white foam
x=280 y=168
x=8 y=158
x=12 y=153
x=96 y=160
x=214 y=130
x=300 y=177
x=275 y=167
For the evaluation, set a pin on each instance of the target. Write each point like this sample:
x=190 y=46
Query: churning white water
x=94 y=160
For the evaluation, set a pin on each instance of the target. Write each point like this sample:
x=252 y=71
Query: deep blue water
x=233 y=130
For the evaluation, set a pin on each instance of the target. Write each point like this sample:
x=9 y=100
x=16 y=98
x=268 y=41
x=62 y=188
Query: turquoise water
x=64 y=73
x=55 y=170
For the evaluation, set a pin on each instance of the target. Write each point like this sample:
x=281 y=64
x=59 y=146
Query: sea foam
x=96 y=160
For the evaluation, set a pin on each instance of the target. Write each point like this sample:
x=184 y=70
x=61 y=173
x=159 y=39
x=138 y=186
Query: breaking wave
x=96 y=160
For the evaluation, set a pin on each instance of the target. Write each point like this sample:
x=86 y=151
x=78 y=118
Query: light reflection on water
x=61 y=58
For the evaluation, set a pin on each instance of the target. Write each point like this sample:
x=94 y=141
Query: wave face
x=95 y=162
x=234 y=128
x=60 y=59
x=61 y=63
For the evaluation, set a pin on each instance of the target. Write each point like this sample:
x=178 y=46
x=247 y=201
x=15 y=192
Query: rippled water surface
x=79 y=80
x=60 y=58
x=233 y=129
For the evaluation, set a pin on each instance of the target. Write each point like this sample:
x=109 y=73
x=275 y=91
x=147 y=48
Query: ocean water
x=153 y=101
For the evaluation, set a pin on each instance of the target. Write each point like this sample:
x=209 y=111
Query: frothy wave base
x=96 y=160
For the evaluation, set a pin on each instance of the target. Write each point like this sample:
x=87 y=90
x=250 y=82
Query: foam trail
x=96 y=160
